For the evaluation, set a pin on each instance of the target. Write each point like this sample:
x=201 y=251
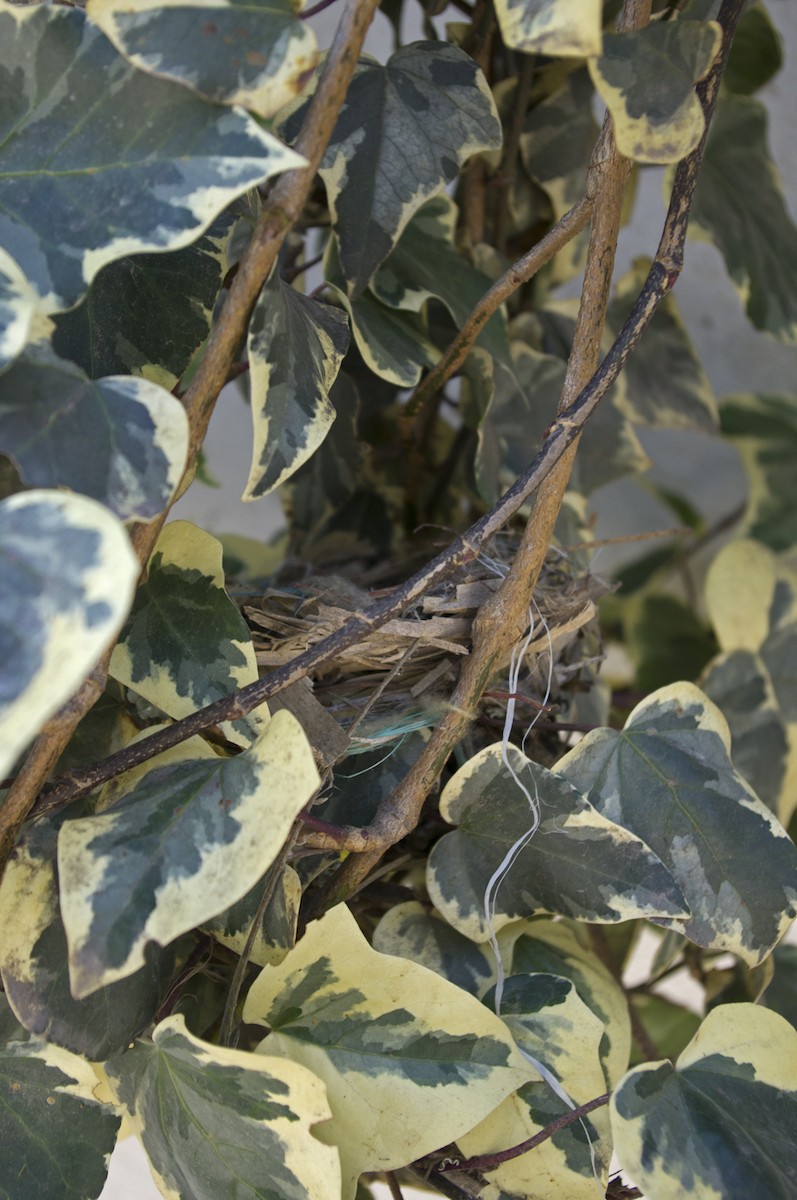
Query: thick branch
x=286 y=201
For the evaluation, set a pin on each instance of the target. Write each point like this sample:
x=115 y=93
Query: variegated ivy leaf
x=740 y=590
x=739 y=206
x=557 y=141
x=121 y=441
x=551 y=27
x=429 y=96
x=255 y=53
x=67 y=573
x=186 y=643
x=57 y=1137
x=276 y=934
x=216 y=1122
x=764 y=431
x=411 y=931
x=563 y=948
x=393 y=343
x=719 y=1123
x=410 y=1061
x=781 y=995
x=647 y=77
x=425 y=263
x=550 y=1022
x=665 y=383
x=100 y=160
x=34 y=966
x=19 y=306
x=756 y=54
x=148 y=314
x=578 y=863
x=668 y=776
x=295 y=347
x=187 y=841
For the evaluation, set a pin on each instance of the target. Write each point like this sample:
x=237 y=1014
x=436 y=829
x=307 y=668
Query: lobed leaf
x=255 y=53
x=578 y=863
x=403 y=132
x=119 y=440
x=739 y=206
x=186 y=643
x=647 y=77
x=212 y=1119
x=67 y=575
x=187 y=841
x=551 y=27
x=410 y=1061
x=129 y=163
x=57 y=1138
x=721 y=1123
x=35 y=970
x=668 y=777
x=295 y=347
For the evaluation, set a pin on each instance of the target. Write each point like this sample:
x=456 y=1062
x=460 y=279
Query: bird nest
x=399 y=677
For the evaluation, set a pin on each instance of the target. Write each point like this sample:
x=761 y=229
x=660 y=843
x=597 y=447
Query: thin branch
x=287 y=199
x=488 y=1162
x=394 y=1187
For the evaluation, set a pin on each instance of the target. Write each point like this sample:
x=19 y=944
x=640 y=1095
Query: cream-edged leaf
x=100 y=160
x=34 y=962
x=410 y=1061
x=67 y=573
x=411 y=931
x=740 y=587
x=217 y=1122
x=647 y=77
x=255 y=53
x=550 y=1022
x=551 y=27
x=276 y=934
x=187 y=841
x=763 y=429
x=720 y=1124
x=186 y=643
x=578 y=863
x=295 y=347
x=668 y=776
x=19 y=306
x=403 y=133
x=57 y=1137
x=121 y=441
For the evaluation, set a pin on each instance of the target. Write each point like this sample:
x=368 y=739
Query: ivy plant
x=325 y=858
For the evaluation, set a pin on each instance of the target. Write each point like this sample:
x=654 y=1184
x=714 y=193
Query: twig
x=270 y=882
x=487 y=1162
x=287 y=199
x=393 y=1185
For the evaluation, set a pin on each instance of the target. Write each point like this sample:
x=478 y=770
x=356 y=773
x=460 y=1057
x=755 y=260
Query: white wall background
x=735 y=356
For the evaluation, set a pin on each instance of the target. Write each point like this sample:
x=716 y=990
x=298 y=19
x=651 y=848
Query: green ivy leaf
x=425 y=264
x=647 y=77
x=429 y=96
x=578 y=863
x=756 y=53
x=184 y=843
x=34 y=966
x=67 y=574
x=186 y=644
x=411 y=931
x=295 y=346
x=19 y=305
x=668 y=1025
x=668 y=777
x=103 y=145
x=549 y=1021
x=256 y=53
x=551 y=27
x=666 y=640
x=721 y=1121
x=764 y=431
x=57 y=1137
x=148 y=314
x=211 y=1119
x=739 y=206
x=119 y=440
x=665 y=383
x=393 y=343
x=410 y=1062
